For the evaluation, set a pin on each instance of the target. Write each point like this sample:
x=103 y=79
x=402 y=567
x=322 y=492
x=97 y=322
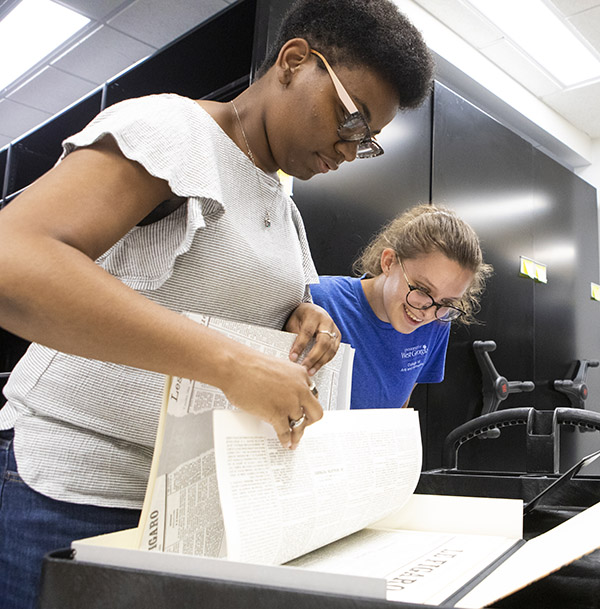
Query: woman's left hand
x=309 y=321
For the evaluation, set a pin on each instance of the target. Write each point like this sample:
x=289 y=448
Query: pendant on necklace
x=267 y=220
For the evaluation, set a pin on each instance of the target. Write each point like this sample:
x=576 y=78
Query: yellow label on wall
x=540 y=273
x=534 y=270
x=527 y=268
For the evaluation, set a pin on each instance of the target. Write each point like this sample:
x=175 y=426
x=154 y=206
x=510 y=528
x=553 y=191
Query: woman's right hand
x=277 y=391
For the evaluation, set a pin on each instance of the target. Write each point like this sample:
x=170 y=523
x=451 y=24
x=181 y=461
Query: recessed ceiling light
x=538 y=31
x=30 y=32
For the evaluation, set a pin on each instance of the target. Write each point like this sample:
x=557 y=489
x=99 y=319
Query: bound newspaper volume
x=336 y=515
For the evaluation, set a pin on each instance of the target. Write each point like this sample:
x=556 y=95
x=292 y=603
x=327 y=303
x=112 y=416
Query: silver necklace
x=267 y=218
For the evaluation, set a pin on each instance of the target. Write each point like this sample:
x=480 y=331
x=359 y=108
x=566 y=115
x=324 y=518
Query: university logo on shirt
x=414 y=357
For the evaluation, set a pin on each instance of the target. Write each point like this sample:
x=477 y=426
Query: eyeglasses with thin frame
x=354 y=128
x=417 y=298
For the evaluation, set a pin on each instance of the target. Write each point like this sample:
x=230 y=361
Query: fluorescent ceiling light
x=534 y=27
x=30 y=32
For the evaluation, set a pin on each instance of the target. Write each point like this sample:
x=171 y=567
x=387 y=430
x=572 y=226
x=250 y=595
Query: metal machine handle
x=543 y=433
x=495 y=387
x=576 y=389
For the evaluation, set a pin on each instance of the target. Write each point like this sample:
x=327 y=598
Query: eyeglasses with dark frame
x=417 y=298
x=354 y=128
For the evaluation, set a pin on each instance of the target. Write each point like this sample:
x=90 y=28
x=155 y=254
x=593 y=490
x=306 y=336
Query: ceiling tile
x=95 y=9
x=575 y=105
x=520 y=68
x=16 y=119
x=588 y=24
x=156 y=23
x=463 y=20
x=139 y=27
x=572 y=7
x=52 y=90
x=103 y=55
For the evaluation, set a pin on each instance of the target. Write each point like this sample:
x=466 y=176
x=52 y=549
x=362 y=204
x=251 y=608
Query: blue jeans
x=31 y=525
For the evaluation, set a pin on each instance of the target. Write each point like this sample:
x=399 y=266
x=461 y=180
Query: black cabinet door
x=484 y=172
x=567 y=320
x=37 y=152
x=521 y=203
x=212 y=61
x=3 y=171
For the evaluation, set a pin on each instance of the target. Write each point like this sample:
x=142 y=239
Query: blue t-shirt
x=387 y=363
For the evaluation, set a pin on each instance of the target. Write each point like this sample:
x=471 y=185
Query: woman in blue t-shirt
x=422 y=271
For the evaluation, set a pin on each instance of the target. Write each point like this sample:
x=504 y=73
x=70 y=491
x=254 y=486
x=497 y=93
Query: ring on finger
x=297 y=422
x=313 y=388
x=330 y=334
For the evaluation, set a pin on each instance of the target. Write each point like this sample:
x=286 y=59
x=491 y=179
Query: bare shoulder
x=89 y=200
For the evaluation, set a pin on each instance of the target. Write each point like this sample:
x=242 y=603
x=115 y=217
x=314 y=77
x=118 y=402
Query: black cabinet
x=521 y=203
x=484 y=172
x=566 y=319
x=3 y=172
x=37 y=152
x=212 y=61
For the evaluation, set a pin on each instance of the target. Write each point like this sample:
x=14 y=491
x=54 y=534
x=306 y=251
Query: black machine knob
x=576 y=389
x=495 y=387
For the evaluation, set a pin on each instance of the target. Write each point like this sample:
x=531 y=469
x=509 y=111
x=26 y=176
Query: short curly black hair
x=370 y=33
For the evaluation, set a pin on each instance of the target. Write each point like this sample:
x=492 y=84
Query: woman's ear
x=388 y=258
x=292 y=54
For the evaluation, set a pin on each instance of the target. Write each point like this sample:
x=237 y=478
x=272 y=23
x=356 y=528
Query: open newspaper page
x=418 y=566
x=351 y=469
x=430 y=549
x=181 y=510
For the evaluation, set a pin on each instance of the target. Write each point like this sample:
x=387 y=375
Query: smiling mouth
x=411 y=316
x=328 y=165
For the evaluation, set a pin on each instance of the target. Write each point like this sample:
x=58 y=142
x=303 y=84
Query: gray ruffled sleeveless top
x=85 y=429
